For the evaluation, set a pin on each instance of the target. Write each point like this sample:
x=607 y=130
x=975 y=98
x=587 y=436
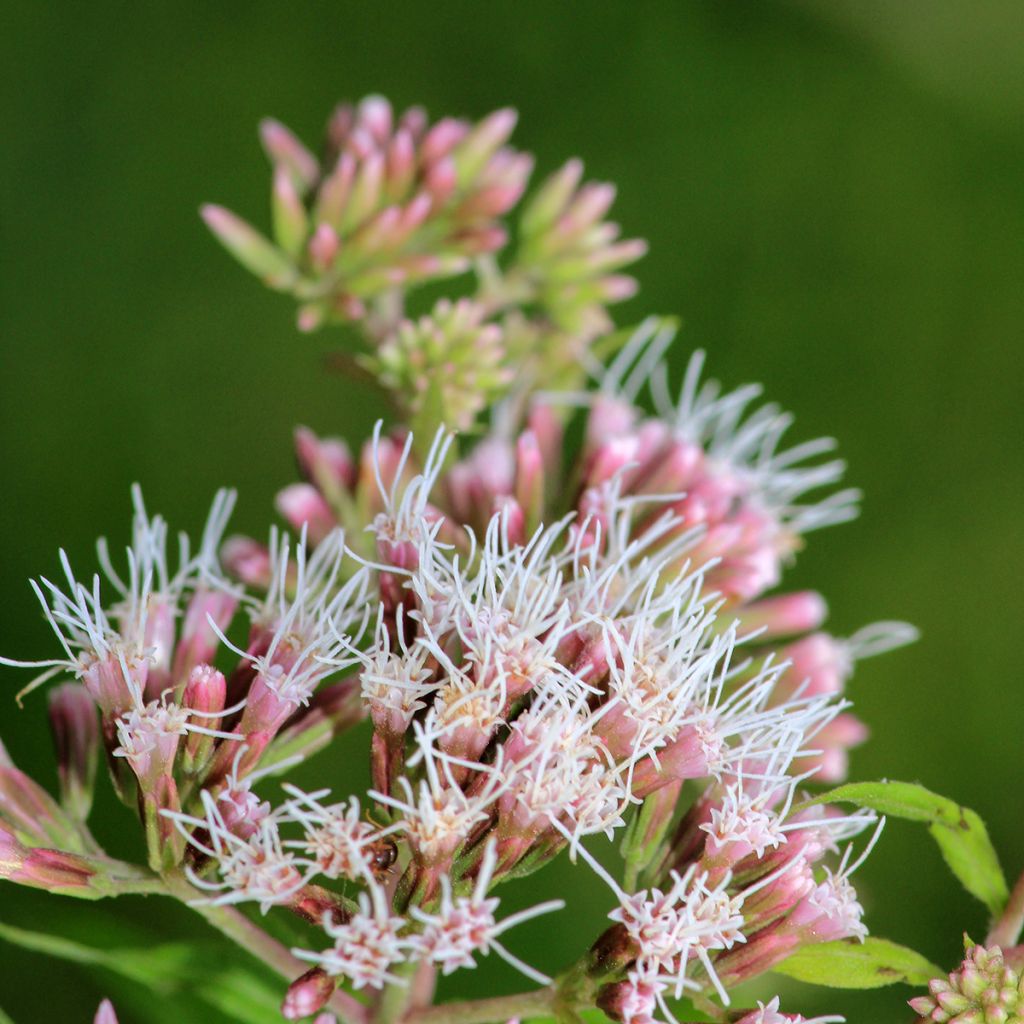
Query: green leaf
x=243 y=997
x=593 y=1016
x=4 y=1019
x=847 y=963
x=960 y=833
x=177 y=969
x=159 y=967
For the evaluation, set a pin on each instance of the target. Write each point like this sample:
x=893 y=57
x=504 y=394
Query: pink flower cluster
x=551 y=642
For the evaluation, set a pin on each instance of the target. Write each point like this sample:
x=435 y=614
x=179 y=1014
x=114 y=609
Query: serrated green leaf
x=873 y=963
x=959 y=832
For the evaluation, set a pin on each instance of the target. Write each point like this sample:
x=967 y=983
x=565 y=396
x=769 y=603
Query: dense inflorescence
x=553 y=644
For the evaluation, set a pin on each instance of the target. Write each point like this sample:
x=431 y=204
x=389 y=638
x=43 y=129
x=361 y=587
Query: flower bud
x=325 y=462
x=613 y=952
x=633 y=1001
x=307 y=994
x=285 y=150
x=784 y=615
x=105 y=1013
x=249 y=247
x=32 y=813
x=247 y=560
x=304 y=506
x=115 y=685
x=76 y=737
x=39 y=868
x=984 y=990
x=205 y=693
x=199 y=642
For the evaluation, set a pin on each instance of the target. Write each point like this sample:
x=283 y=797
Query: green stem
x=1006 y=931
x=393 y=1001
x=136 y=883
x=483 y=1011
x=236 y=926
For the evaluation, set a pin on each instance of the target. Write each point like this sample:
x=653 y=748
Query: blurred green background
x=832 y=193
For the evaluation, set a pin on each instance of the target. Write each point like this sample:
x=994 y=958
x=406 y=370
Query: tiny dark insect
x=383 y=854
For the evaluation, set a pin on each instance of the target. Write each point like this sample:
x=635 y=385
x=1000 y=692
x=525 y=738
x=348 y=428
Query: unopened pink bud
x=199 y=641
x=303 y=506
x=761 y=953
x=205 y=692
x=529 y=479
x=834 y=741
x=442 y=138
x=688 y=756
x=481 y=240
x=105 y=1013
x=400 y=164
x=249 y=247
x=785 y=615
x=545 y=425
x=610 y=459
x=284 y=149
x=334 y=192
x=326 y=463
x=633 y=1001
x=247 y=560
x=307 y=994
x=365 y=195
x=671 y=470
x=374 y=114
x=41 y=868
x=513 y=518
x=116 y=685
x=291 y=222
x=551 y=199
x=323 y=246
x=29 y=809
x=482 y=142
x=440 y=181
x=592 y=202
x=158 y=643
x=618 y=288
x=76 y=737
x=819 y=665
x=609 y=418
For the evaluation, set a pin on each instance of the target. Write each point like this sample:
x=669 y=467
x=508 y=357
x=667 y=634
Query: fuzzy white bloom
x=366 y=946
x=252 y=862
x=336 y=837
x=688 y=921
x=306 y=620
x=465 y=925
x=768 y=1013
x=747 y=447
x=437 y=816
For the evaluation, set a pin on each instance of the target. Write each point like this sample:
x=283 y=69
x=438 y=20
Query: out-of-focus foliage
x=832 y=198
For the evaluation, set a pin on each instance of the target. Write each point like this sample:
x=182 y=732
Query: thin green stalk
x=540 y=1002
x=236 y=926
x=394 y=1000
